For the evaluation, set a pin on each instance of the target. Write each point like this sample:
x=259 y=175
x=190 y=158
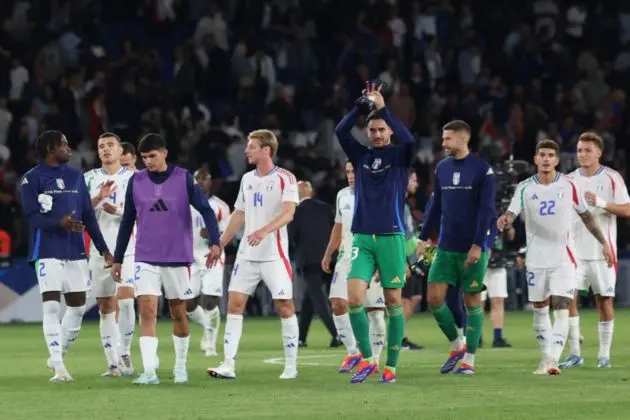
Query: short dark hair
x=548 y=144
x=457 y=125
x=374 y=115
x=108 y=134
x=128 y=148
x=151 y=142
x=592 y=137
x=47 y=141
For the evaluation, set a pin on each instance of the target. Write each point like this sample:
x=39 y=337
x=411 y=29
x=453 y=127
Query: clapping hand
x=107 y=189
x=373 y=93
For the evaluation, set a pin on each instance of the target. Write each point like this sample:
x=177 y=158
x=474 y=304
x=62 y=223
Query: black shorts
x=413 y=287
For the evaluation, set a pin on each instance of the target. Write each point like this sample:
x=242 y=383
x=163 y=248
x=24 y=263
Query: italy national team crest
x=60 y=184
x=560 y=194
x=456 y=176
x=270 y=186
x=377 y=163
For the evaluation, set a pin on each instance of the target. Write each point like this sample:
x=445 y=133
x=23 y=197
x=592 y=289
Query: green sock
x=395 y=332
x=474 y=329
x=445 y=320
x=361 y=328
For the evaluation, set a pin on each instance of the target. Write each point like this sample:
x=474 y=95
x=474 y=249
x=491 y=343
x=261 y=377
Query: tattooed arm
x=589 y=222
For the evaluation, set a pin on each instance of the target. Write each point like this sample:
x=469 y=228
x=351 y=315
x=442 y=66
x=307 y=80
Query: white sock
x=290 y=332
x=231 y=338
x=214 y=322
x=458 y=343
x=181 y=351
x=559 y=333
x=71 y=326
x=148 y=351
x=108 y=330
x=574 y=336
x=126 y=325
x=469 y=359
x=605 y=337
x=542 y=328
x=344 y=330
x=199 y=318
x=52 y=330
x=377 y=333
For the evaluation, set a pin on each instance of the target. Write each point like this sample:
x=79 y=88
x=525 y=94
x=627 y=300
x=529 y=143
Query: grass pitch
x=504 y=387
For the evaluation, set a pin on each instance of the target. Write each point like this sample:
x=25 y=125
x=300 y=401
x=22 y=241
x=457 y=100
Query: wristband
x=600 y=203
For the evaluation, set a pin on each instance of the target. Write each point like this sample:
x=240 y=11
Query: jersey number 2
x=547 y=208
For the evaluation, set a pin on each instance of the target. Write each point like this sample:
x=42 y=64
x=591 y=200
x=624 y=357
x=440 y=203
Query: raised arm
x=351 y=146
x=403 y=136
x=486 y=213
x=126 y=224
x=31 y=207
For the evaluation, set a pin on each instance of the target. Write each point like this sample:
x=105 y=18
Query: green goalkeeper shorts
x=385 y=253
x=448 y=268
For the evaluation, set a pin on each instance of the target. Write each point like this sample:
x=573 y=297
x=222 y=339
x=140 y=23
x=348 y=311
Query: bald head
x=305 y=189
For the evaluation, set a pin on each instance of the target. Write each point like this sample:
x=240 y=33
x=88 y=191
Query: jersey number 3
x=547 y=208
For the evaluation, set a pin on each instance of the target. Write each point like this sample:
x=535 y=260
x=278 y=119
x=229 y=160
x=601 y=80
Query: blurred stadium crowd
x=203 y=73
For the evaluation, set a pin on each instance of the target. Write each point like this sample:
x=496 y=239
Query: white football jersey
x=548 y=211
x=261 y=198
x=608 y=185
x=344 y=212
x=109 y=223
x=200 y=245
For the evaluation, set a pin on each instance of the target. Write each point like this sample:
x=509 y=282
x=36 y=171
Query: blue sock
x=498 y=334
x=455 y=302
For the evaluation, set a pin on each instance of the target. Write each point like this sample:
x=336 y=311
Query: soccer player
x=381 y=177
x=52 y=195
x=207 y=283
x=412 y=292
x=129 y=156
x=548 y=201
x=607 y=197
x=107 y=187
x=496 y=284
x=159 y=199
x=266 y=203
x=341 y=236
x=463 y=206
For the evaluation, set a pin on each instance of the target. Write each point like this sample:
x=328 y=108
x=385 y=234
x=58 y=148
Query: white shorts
x=496 y=283
x=208 y=281
x=545 y=282
x=374 y=297
x=598 y=276
x=101 y=281
x=150 y=279
x=339 y=283
x=65 y=276
x=277 y=276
